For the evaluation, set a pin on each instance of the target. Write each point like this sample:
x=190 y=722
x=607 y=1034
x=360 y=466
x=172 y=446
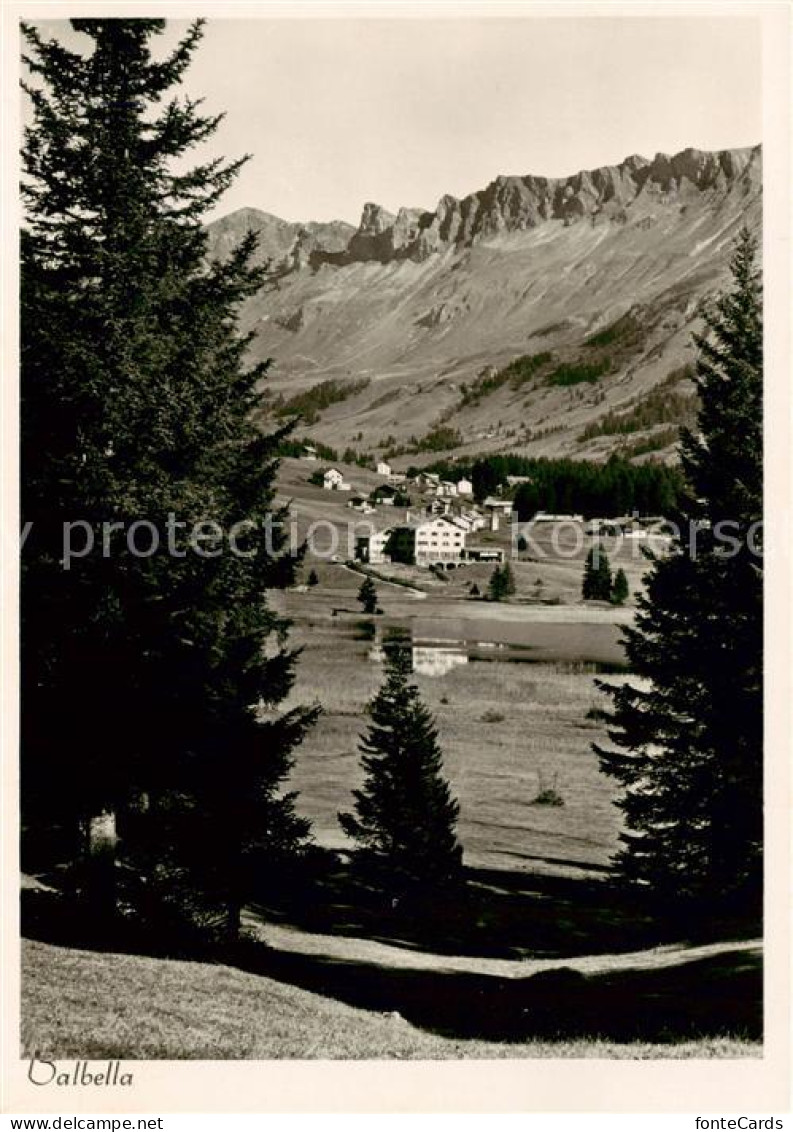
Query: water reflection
x=438 y=656
x=428 y=658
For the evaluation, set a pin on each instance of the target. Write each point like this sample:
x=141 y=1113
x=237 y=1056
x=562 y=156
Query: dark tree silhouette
x=367 y=596
x=405 y=816
x=146 y=687
x=687 y=745
x=619 y=588
x=502 y=583
x=596 y=584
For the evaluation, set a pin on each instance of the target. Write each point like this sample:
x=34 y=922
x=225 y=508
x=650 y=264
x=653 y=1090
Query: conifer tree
x=502 y=583
x=589 y=583
x=596 y=585
x=144 y=675
x=687 y=745
x=405 y=816
x=367 y=595
x=507 y=580
x=603 y=576
x=619 y=588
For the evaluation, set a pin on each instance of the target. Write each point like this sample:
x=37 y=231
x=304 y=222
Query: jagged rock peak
x=374 y=220
x=515 y=203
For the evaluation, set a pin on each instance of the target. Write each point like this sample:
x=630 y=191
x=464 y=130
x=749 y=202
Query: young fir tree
x=405 y=816
x=619 y=588
x=144 y=675
x=687 y=746
x=507 y=580
x=367 y=595
x=596 y=584
x=589 y=583
x=603 y=576
x=500 y=582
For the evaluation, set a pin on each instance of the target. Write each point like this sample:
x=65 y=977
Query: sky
x=337 y=112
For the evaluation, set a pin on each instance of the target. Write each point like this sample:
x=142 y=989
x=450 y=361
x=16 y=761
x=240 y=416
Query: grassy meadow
x=508 y=727
x=537 y=955
x=84 y=1004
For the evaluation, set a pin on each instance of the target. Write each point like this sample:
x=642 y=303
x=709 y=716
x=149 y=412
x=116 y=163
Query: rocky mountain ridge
x=408 y=310
x=507 y=204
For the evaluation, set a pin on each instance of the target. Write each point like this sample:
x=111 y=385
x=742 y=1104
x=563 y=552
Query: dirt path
x=356 y=950
x=409 y=590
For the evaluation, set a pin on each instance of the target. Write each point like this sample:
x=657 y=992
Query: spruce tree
x=603 y=576
x=596 y=584
x=367 y=595
x=507 y=580
x=687 y=745
x=405 y=816
x=589 y=582
x=145 y=681
x=619 y=588
x=497 y=586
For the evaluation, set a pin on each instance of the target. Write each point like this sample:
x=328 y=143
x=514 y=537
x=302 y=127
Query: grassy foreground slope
x=98 y=1005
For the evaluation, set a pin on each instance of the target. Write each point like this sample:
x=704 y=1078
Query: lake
x=441 y=644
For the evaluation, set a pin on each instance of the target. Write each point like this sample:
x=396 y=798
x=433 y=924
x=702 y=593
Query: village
x=425 y=521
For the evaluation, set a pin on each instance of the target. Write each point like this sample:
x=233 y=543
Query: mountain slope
x=421 y=302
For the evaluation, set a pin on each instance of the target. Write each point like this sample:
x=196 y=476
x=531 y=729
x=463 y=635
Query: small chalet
x=333 y=480
x=484 y=554
x=385 y=494
x=428 y=480
x=498 y=506
x=359 y=503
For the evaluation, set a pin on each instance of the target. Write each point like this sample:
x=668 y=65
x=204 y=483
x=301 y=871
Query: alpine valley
x=540 y=316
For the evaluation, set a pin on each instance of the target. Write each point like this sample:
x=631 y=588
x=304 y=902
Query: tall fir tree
x=502 y=583
x=687 y=745
x=620 y=590
x=145 y=675
x=367 y=595
x=596 y=583
x=405 y=816
x=589 y=581
x=508 y=580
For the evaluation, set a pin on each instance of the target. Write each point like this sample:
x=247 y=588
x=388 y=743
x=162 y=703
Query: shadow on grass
x=706 y=997
x=497 y=914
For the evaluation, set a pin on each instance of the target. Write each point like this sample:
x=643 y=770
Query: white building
x=484 y=554
x=358 y=503
x=383 y=469
x=498 y=506
x=429 y=480
x=372 y=547
x=465 y=487
x=333 y=480
x=428 y=543
x=477 y=521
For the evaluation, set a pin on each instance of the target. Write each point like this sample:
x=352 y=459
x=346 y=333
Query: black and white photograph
x=391 y=538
